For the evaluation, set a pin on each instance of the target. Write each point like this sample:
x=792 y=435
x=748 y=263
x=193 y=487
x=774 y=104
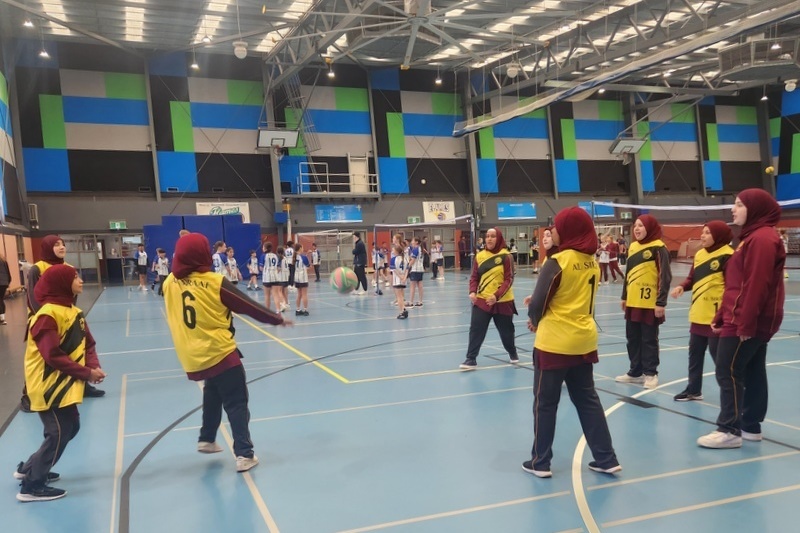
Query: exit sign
x=117 y=224
x=414 y=220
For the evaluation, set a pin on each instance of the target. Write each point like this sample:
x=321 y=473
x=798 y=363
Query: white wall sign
x=224 y=208
x=438 y=211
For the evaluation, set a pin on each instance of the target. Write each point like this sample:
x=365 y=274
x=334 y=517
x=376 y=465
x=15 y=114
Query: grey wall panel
x=337 y=145
x=208 y=140
x=320 y=97
x=83 y=83
x=421 y=147
x=739 y=152
x=594 y=151
x=107 y=137
x=674 y=151
x=208 y=90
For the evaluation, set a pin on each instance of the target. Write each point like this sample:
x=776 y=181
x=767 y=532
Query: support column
x=275 y=167
x=765 y=146
x=472 y=158
x=151 y=130
x=634 y=169
x=374 y=139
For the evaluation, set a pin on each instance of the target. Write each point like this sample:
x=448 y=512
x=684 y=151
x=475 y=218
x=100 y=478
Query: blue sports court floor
x=363 y=422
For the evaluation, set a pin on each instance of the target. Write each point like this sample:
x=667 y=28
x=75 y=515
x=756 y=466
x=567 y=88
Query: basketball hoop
x=277 y=149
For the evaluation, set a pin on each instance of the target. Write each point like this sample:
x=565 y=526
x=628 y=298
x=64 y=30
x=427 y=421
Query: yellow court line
x=293 y=349
x=118 y=463
x=699 y=506
x=459 y=512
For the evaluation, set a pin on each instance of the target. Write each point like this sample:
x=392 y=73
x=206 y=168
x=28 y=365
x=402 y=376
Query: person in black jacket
x=5 y=281
x=360 y=263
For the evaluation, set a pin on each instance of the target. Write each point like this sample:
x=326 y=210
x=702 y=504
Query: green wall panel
x=397 y=138
x=445 y=104
x=795 y=167
x=245 y=92
x=125 y=86
x=682 y=113
x=292 y=123
x=351 y=99
x=182 y=134
x=54 y=134
x=486 y=141
x=568 y=139
x=646 y=152
x=609 y=110
x=775 y=128
x=3 y=89
x=713 y=142
x=746 y=115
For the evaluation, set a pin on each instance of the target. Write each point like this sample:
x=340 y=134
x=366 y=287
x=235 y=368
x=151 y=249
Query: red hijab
x=653 y=228
x=500 y=242
x=192 y=254
x=48 y=255
x=721 y=233
x=575 y=230
x=55 y=286
x=762 y=210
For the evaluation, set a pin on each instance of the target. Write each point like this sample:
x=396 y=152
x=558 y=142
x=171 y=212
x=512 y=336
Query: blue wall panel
x=5 y=121
x=85 y=110
x=385 y=79
x=208 y=225
x=393 y=175
x=737 y=133
x=225 y=116
x=331 y=121
x=487 y=176
x=522 y=128
x=567 y=178
x=713 y=173
x=673 y=131
x=46 y=170
x=178 y=170
x=597 y=130
x=648 y=176
x=788 y=187
x=429 y=125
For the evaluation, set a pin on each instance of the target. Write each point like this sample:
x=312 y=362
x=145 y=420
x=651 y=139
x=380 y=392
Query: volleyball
x=343 y=280
x=770 y=170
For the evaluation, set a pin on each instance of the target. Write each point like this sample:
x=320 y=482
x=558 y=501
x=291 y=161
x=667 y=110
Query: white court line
x=356 y=408
x=459 y=512
x=692 y=470
x=128 y=323
x=435 y=373
x=699 y=506
x=118 y=462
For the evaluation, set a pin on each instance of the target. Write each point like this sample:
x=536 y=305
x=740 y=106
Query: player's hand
x=623 y=305
x=473 y=297
x=491 y=300
x=659 y=311
x=96 y=376
x=531 y=327
x=286 y=323
x=676 y=292
x=527 y=301
x=744 y=338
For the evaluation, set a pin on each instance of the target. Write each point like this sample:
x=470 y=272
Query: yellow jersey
x=641 y=274
x=708 y=284
x=491 y=274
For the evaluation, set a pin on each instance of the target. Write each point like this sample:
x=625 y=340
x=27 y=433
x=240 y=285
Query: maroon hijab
x=500 y=243
x=576 y=230
x=48 y=256
x=721 y=233
x=192 y=254
x=762 y=210
x=55 y=286
x=653 y=228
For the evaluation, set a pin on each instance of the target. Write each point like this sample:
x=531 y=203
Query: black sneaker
x=305 y=313
x=298 y=313
x=379 y=292
x=687 y=396
x=528 y=467
x=607 y=470
x=93 y=392
x=468 y=364
x=403 y=315
x=25 y=404
x=51 y=476
x=514 y=358
x=40 y=493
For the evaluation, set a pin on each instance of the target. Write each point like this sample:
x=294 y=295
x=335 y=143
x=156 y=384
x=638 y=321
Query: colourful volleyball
x=343 y=280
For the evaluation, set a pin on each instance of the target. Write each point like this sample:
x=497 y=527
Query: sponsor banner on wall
x=438 y=211
x=225 y=208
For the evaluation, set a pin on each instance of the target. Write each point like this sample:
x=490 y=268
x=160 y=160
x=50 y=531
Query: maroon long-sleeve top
x=45 y=335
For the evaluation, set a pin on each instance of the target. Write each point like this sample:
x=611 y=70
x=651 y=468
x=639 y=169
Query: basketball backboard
x=268 y=138
x=627 y=145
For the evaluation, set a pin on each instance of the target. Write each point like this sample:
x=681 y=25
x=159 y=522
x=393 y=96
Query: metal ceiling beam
x=746 y=23
x=73 y=27
x=634 y=45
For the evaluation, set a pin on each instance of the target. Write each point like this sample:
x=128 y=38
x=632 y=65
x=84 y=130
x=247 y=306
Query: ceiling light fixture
x=790 y=86
x=240 y=49
x=206 y=39
x=43 y=54
x=438 y=80
x=194 y=64
x=331 y=73
x=512 y=70
x=775 y=46
x=601 y=90
x=28 y=23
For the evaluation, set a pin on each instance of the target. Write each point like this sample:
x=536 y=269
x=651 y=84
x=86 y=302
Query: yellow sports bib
x=708 y=284
x=641 y=274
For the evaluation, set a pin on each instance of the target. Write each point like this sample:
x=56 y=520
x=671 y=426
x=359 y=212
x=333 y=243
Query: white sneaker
x=388 y=284
x=719 y=440
x=650 y=382
x=208 y=447
x=374 y=283
x=627 y=378
x=243 y=464
x=362 y=292
x=752 y=437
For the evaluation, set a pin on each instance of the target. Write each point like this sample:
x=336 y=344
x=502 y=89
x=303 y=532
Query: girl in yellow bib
x=706 y=280
x=644 y=298
x=561 y=313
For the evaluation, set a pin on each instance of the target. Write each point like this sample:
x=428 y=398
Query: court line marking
x=458 y=512
x=294 y=350
x=128 y=323
x=692 y=470
x=435 y=373
x=118 y=461
x=354 y=408
x=699 y=506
